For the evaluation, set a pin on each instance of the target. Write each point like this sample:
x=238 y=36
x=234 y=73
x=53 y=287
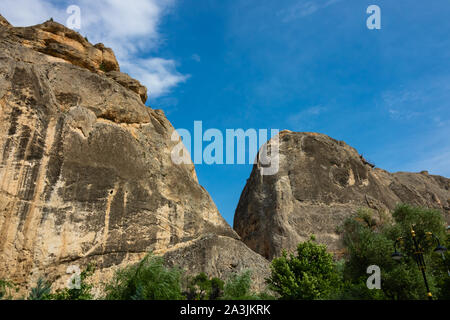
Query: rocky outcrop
x=86 y=174
x=130 y=83
x=4 y=22
x=54 y=39
x=320 y=182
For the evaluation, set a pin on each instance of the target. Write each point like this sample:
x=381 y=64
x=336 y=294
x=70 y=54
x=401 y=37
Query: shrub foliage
x=310 y=274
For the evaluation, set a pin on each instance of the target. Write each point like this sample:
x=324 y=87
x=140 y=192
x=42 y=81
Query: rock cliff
x=320 y=182
x=85 y=167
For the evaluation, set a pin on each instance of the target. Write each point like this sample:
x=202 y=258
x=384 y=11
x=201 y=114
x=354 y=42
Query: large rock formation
x=320 y=182
x=85 y=168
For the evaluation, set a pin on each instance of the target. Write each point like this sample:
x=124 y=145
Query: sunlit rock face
x=320 y=182
x=86 y=174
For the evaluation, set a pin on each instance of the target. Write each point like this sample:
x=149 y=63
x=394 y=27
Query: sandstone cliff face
x=85 y=167
x=320 y=182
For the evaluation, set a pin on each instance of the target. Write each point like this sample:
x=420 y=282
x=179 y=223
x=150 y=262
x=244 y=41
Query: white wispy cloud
x=305 y=117
x=304 y=8
x=436 y=163
x=401 y=104
x=196 y=57
x=130 y=28
x=423 y=103
x=28 y=12
x=159 y=74
x=425 y=99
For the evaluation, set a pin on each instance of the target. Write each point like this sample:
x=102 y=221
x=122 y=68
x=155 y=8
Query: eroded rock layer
x=320 y=182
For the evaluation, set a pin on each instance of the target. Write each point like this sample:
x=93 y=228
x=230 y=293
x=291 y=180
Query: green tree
x=311 y=274
x=217 y=286
x=238 y=287
x=150 y=279
x=370 y=243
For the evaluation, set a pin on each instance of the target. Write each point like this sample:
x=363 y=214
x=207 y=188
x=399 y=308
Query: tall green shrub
x=238 y=287
x=84 y=292
x=150 y=279
x=201 y=287
x=310 y=274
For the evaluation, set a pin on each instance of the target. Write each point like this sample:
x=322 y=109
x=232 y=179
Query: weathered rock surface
x=85 y=168
x=219 y=256
x=130 y=83
x=320 y=182
x=4 y=22
x=56 y=40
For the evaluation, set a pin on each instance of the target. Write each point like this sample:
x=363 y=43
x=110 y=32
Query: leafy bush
x=41 y=291
x=147 y=280
x=356 y=291
x=83 y=293
x=202 y=288
x=103 y=67
x=217 y=286
x=311 y=274
x=238 y=287
x=5 y=289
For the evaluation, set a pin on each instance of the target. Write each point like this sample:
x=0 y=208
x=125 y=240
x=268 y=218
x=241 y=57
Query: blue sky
x=297 y=65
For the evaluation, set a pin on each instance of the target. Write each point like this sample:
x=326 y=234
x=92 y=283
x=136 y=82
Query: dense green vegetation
x=148 y=280
x=83 y=293
x=369 y=240
x=6 y=288
x=238 y=288
x=201 y=287
x=309 y=273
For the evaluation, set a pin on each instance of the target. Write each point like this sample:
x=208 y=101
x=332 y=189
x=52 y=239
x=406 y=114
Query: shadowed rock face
x=320 y=182
x=85 y=168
